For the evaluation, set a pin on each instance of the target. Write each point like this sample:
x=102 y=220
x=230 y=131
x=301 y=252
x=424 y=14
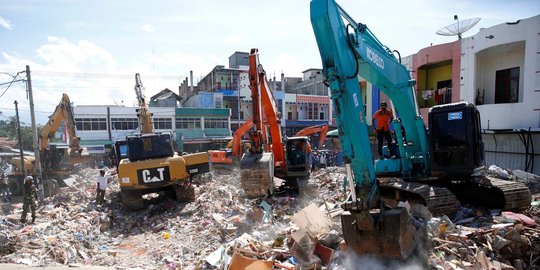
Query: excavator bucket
x=257 y=174
x=78 y=156
x=392 y=235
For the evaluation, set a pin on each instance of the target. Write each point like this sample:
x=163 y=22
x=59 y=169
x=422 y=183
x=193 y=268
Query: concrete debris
x=480 y=240
x=501 y=173
x=222 y=229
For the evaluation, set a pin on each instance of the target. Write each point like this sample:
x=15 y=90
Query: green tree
x=8 y=128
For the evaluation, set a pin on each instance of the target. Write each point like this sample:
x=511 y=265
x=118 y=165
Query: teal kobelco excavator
x=434 y=170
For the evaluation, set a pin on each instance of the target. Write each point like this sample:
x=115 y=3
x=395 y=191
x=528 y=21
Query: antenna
x=459 y=27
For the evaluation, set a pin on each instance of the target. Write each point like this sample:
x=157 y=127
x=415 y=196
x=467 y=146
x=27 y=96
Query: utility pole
x=20 y=141
x=35 y=140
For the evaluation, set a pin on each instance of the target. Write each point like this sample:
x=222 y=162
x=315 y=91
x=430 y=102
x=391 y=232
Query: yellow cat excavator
x=56 y=161
x=147 y=162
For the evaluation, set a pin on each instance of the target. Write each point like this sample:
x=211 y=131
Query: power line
x=100 y=75
x=14 y=78
x=89 y=87
x=21 y=80
x=10 y=109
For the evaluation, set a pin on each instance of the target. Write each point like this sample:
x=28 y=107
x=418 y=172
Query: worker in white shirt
x=101 y=180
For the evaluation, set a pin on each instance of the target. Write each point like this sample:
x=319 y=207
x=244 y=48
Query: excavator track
x=439 y=200
x=493 y=193
x=483 y=191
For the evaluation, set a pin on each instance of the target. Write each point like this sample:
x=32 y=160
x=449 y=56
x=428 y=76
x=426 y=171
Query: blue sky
x=109 y=41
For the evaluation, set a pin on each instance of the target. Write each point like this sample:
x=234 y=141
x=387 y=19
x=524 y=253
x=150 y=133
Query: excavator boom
x=63 y=112
x=322 y=129
x=237 y=137
x=234 y=147
x=145 y=117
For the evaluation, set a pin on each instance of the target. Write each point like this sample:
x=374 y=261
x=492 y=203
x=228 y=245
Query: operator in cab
x=384 y=117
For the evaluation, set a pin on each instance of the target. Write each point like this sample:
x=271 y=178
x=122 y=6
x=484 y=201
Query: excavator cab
x=120 y=151
x=455 y=139
x=149 y=146
x=298 y=152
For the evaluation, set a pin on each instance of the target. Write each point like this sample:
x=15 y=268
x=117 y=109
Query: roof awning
x=96 y=142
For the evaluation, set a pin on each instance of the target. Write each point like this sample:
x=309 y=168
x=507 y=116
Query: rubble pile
x=71 y=229
x=504 y=240
x=478 y=238
x=222 y=229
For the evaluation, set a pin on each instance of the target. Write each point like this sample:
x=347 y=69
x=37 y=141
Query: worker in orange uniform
x=309 y=156
x=384 y=117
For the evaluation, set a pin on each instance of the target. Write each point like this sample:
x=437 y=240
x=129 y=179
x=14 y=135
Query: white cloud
x=85 y=71
x=5 y=23
x=147 y=28
x=90 y=75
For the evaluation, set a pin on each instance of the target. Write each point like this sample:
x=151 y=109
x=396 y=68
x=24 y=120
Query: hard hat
x=29 y=178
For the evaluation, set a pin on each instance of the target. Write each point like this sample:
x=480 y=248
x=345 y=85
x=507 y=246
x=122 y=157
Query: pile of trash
x=493 y=240
x=70 y=229
x=222 y=229
x=479 y=238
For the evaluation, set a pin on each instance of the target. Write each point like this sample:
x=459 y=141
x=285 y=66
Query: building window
x=507 y=85
x=125 y=123
x=313 y=111
x=242 y=115
x=321 y=115
x=211 y=122
x=91 y=123
x=443 y=94
x=188 y=123
x=163 y=123
x=289 y=115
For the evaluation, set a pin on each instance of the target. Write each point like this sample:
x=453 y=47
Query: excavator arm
x=266 y=104
x=377 y=64
x=322 y=129
x=145 y=117
x=63 y=112
x=237 y=137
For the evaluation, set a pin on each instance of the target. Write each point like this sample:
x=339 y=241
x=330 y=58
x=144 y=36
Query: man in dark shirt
x=29 y=200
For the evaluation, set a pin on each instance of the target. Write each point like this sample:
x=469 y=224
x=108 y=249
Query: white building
x=500 y=72
x=93 y=121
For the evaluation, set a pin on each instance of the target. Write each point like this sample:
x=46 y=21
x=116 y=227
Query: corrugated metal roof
x=95 y=142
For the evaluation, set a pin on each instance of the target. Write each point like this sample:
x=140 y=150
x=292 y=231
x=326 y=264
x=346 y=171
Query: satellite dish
x=459 y=27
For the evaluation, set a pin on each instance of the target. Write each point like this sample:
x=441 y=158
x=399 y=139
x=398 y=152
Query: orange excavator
x=235 y=147
x=322 y=129
x=269 y=154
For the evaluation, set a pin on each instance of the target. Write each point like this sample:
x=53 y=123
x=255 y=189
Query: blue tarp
x=227 y=92
x=206 y=100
